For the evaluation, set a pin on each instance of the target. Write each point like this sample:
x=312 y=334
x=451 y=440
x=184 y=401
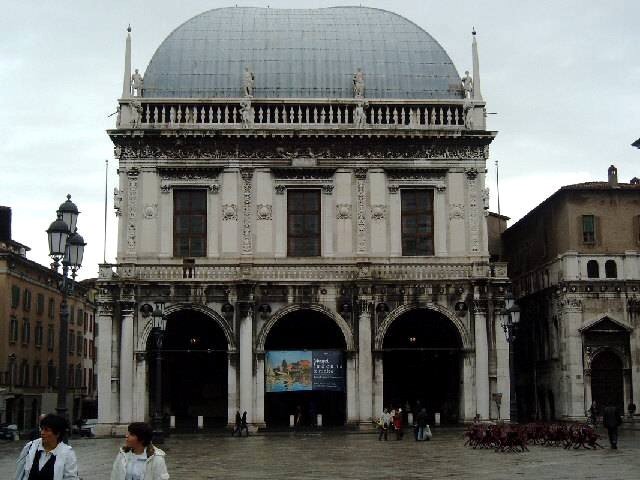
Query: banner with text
x=304 y=370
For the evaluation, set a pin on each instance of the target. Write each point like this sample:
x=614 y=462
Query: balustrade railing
x=250 y=113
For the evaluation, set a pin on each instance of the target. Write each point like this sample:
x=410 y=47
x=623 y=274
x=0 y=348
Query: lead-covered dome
x=295 y=53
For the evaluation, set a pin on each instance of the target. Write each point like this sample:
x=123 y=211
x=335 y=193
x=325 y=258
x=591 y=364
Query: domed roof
x=297 y=53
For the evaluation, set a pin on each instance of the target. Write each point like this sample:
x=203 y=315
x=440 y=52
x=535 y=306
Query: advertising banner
x=304 y=370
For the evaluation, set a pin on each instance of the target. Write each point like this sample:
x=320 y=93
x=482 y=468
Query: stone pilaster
x=482 y=359
x=106 y=415
x=503 y=376
x=365 y=363
x=246 y=363
x=126 y=363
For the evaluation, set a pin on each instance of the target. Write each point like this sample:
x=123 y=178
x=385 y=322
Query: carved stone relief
x=378 y=212
x=229 y=211
x=150 y=210
x=361 y=176
x=456 y=210
x=343 y=211
x=264 y=212
x=247 y=176
x=132 y=204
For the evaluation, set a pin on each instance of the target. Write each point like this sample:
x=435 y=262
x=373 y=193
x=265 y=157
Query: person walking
x=398 y=424
x=421 y=422
x=139 y=459
x=383 y=424
x=237 y=428
x=243 y=424
x=48 y=458
x=611 y=419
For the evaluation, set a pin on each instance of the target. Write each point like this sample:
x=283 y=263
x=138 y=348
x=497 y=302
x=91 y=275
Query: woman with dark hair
x=48 y=458
x=139 y=459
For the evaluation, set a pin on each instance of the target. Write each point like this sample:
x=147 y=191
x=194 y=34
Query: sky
x=560 y=79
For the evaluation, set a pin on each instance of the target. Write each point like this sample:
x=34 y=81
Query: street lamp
x=157 y=333
x=509 y=325
x=66 y=245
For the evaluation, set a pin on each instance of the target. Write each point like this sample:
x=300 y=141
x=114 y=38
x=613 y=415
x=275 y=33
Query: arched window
x=593 y=270
x=611 y=269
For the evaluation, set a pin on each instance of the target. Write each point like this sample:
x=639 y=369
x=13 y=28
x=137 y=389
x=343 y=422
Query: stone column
x=467 y=395
x=140 y=391
x=246 y=364
x=378 y=385
x=573 y=358
x=126 y=364
x=503 y=376
x=364 y=362
x=627 y=387
x=343 y=213
x=482 y=360
x=280 y=221
x=105 y=322
x=379 y=215
x=232 y=387
x=352 y=397
x=440 y=224
x=587 y=389
x=258 y=418
x=395 y=227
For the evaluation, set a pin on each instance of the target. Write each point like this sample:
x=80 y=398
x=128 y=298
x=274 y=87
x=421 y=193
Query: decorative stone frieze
x=132 y=206
x=247 y=177
x=361 y=176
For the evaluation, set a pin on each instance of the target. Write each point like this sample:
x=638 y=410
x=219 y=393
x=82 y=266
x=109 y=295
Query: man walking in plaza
x=611 y=419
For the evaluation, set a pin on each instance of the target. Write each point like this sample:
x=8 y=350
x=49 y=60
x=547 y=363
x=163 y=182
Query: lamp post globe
x=69 y=213
x=58 y=233
x=74 y=251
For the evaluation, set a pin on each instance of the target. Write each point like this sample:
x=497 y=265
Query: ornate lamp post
x=157 y=333
x=509 y=325
x=66 y=245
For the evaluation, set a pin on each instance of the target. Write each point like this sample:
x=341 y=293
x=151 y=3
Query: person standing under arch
x=611 y=419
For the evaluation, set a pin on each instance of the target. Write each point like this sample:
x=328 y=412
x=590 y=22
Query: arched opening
x=305 y=339
x=194 y=370
x=593 y=269
x=422 y=364
x=606 y=380
x=611 y=269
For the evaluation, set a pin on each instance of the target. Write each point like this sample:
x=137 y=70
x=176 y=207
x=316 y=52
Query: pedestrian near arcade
x=611 y=419
x=243 y=424
x=236 y=429
x=48 y=458
x=423 y=432
x=139 y=459
x=383 y=424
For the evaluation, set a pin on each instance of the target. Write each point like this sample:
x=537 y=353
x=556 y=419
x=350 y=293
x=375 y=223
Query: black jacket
x=611 y=417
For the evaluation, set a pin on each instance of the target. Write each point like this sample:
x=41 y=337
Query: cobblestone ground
x=356 y=456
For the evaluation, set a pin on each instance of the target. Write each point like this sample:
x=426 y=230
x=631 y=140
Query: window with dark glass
x=593 y=269
x=72 y=342
x=37 y=375
x=38 y=335
x=417 y=222
x=40 y=304
x=51 y=374
x=13 y=330
x=588 y=229
x=78 y=376
x=611 y=269
x=52 y=308
x=50 y=337
x=79 y=344
x=189 y=223
x=15 y=296
x=26 y=300
x=303 y=223
x=26 y=331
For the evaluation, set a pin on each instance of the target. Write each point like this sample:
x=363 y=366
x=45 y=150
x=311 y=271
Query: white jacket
x=156 y=468
x=65 y=468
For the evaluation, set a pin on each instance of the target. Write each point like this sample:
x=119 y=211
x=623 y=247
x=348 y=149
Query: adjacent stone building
x=575 y=268
x=296 y=181
x=30 y=322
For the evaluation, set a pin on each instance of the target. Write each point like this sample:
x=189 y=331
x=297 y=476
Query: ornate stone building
x=302 y=180
x=575 y=269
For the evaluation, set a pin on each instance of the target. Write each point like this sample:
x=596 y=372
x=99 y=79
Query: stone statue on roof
x=246 y=113
x=359 y=115
x=467 y=84
x=137 y=83
x=248 y=82
x=358 y=84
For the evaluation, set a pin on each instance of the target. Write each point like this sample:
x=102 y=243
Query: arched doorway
x=422 y=364
x=303 y=336
x=607 y=387
x=194 y=370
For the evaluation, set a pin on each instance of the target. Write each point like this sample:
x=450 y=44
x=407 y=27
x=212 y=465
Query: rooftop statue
x=359 y=115
x=137 y=84
x=248 y=82
x=358 y=84
x=246 y=113
x=467 y=84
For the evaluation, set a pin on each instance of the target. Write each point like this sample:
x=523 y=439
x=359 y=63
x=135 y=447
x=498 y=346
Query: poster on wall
x=304 y=370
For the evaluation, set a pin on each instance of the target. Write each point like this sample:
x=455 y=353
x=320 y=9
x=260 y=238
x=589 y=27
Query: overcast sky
x=561 y=76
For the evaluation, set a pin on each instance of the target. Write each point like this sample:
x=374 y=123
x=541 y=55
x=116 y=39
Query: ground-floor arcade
x=214 y=362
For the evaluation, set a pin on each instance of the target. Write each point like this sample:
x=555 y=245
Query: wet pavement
x=340 y=455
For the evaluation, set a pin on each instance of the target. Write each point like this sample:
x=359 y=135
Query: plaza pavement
x=339 y=455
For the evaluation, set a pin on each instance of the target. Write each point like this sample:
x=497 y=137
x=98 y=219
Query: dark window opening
x=611 y=269
x=189 y=223
x=303 y=223
x=417 y=222
x=593 y=269
x=588 y=229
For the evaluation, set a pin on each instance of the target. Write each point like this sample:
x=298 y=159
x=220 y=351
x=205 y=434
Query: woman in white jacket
x=139 y=459
x=48 y=458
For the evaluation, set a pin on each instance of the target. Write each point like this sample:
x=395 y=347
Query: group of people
x=50 y=458
x=392 y=419
x=241 y=424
